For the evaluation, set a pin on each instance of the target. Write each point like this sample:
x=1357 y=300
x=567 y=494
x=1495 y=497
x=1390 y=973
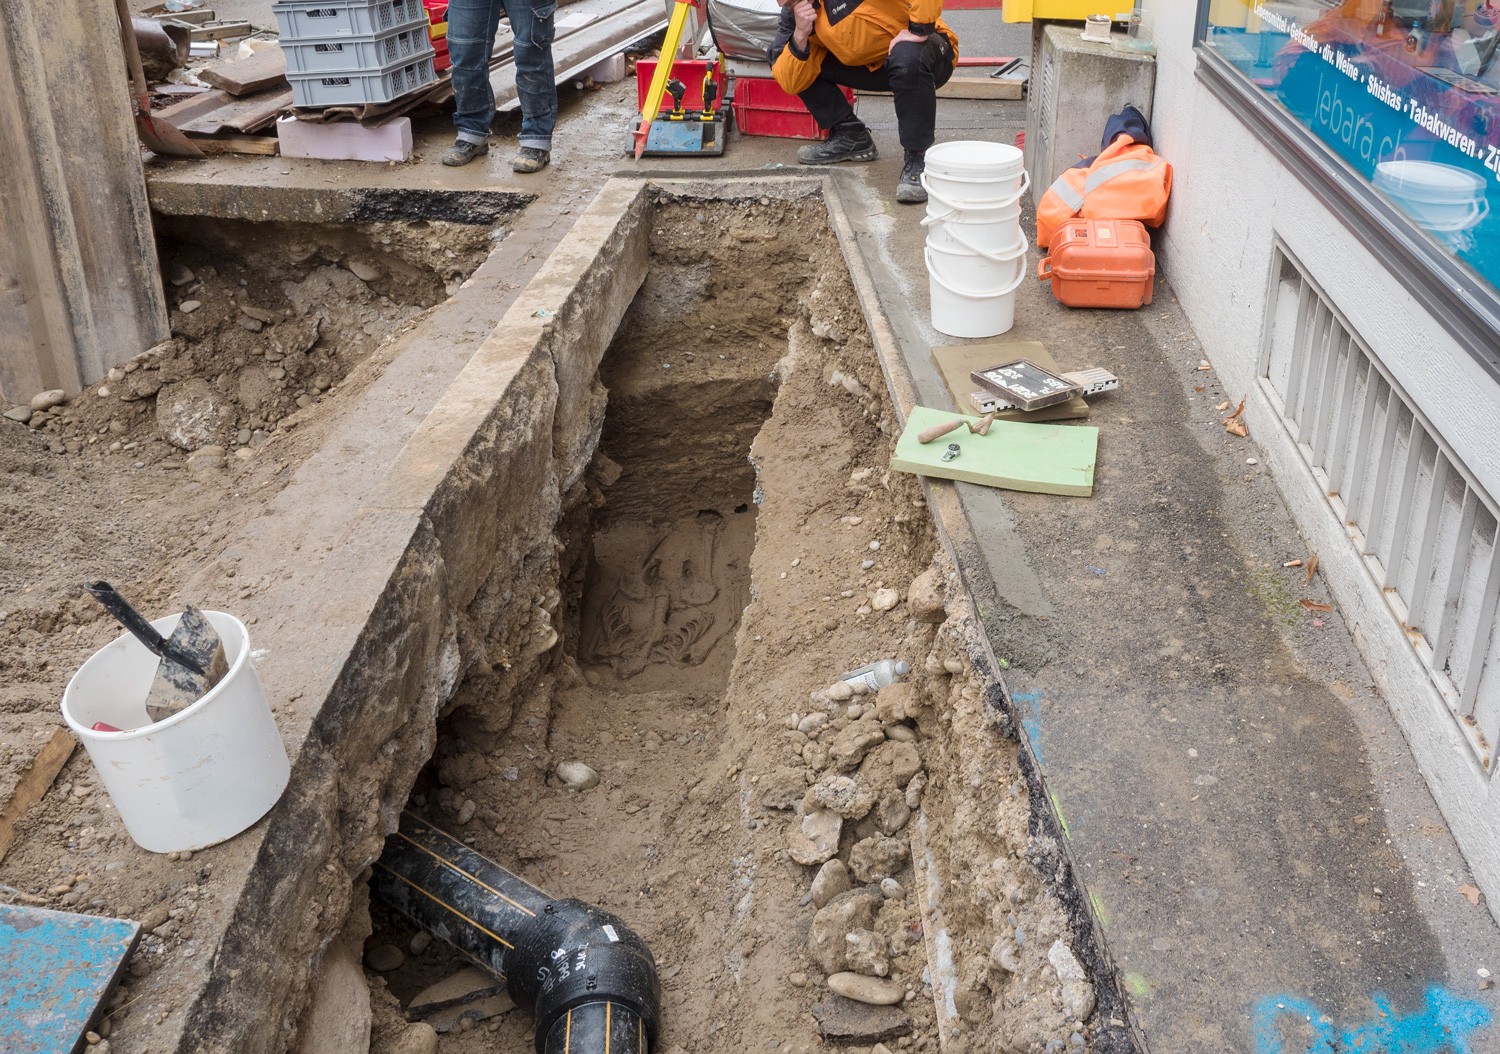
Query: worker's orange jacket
x=1127 y=181
x=857 y=33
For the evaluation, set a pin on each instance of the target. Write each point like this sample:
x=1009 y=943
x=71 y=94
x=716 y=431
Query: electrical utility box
x=1075 y=85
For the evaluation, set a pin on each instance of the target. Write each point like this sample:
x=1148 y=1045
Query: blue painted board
x=55 y=969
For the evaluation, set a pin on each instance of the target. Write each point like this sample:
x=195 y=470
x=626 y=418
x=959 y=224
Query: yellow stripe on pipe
x=568 y=1035
x=472 y=878
x=445 y=904
x=607 y=1008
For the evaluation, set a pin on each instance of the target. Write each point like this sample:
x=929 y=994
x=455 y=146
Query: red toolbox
x=689 y=71
x=437 y=14
x=762 y=108
x=1100 y=263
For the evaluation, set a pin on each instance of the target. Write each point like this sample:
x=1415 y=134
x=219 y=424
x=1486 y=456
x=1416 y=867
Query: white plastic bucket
x=976 y=267
x=202 y=775
x=997 y=228
x=974 y=170
x=959 y=309
x=1442 y=198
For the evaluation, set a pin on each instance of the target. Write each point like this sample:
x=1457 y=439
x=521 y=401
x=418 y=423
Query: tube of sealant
x=878 y=675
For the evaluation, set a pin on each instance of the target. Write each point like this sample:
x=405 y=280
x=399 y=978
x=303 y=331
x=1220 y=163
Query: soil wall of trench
x=554 y=537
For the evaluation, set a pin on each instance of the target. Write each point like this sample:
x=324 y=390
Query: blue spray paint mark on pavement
x=1443 y=1026
x=1032 y=722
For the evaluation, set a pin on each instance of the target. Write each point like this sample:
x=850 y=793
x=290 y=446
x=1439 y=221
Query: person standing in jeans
x=897 y=46
x=471 y=40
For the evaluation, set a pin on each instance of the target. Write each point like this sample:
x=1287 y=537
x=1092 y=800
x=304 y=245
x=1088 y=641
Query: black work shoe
x=910 y=190
x=530 y=159
x=849 y=141
x=463 y=151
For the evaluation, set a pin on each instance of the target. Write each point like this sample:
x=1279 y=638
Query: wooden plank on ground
x=981 y=88
x=35 y=784
x=56 y=970
x=265 y=69
x=1014 y=455
x=217 y=111
x=266 y=145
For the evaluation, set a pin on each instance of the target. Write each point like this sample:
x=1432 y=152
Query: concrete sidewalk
x=1266 y=866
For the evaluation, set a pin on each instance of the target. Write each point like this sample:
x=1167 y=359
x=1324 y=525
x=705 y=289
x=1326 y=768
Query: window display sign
x=1406 y=91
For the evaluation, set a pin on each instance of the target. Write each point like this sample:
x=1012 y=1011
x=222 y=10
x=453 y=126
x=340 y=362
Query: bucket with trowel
x=175 y=720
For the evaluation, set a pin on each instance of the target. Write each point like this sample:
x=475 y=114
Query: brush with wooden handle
x=192 y=659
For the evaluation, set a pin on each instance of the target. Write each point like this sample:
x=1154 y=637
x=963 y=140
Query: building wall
x=1231 y=199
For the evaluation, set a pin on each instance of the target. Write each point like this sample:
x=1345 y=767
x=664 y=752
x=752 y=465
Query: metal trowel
x=192 y=659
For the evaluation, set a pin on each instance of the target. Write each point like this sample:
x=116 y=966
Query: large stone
x=877 y=858
x=827 y=943
x=782 y=788
x=48 y=399
x=895 y=702
x=816 y=838
x=842 y=794
x=890 y=767
x=851 y=745
x=420 y=1038
x=192 y=415
x=924 y=597
x=832 y=879
x=338 y=1018
x=872 y=991
x=868 y=953
x=845 y=1021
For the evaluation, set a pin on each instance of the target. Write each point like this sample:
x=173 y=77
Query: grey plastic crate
x=355 y=88
x=362 y=54
x=322 y=19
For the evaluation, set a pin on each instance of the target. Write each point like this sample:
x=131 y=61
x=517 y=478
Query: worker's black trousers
x=913 y=73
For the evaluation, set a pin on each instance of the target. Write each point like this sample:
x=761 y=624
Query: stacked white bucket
x=976 y=251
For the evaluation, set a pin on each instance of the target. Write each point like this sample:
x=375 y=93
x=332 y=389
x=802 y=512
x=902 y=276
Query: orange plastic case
x=1100 y=263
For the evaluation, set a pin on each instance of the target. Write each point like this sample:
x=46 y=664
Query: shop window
x=1406 y=92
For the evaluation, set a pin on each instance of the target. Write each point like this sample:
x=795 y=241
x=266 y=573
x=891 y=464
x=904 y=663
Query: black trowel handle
x=139 y=628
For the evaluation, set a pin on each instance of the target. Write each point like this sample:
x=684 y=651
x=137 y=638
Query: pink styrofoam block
x=345 y=140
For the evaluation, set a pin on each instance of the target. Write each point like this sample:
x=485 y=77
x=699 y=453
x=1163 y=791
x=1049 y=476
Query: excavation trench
x=726 y=541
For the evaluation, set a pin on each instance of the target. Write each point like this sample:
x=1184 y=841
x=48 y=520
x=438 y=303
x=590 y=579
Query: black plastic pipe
x=588 y=978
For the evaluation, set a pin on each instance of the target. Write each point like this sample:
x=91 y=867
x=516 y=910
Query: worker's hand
x=806 y=15
x=905 y=34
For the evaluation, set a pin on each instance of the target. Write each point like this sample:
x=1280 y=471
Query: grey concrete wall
x=1231 y=199
x=80 y=288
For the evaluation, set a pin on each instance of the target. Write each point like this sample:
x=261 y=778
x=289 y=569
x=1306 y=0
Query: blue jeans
x=471 y=40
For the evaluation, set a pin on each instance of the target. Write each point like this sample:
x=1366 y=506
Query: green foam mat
x=1043 y=459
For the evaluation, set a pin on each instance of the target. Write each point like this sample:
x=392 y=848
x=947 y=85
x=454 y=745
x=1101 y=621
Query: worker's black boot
x=847 y=141
x=909 y=191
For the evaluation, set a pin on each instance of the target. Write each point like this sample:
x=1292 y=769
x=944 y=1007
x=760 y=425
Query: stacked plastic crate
x=354 y=52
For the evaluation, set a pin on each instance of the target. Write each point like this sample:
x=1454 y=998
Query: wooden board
x=56 y=968
x=957 y=361
x=267 y=145
x=265 y=69
x=981 y=88
x=1015 y=455
x=34 y=785
x=217 y=111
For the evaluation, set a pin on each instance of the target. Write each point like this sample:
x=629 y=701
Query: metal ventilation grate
x=1427 y=531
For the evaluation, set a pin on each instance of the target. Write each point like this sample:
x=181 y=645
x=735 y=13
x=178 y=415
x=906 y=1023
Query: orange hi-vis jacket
x=1127 y=181
x=857 y=33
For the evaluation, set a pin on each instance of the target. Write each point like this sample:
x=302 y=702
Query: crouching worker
x=897 y=46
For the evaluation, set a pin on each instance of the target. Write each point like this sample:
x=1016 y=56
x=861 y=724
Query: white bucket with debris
x=202 y=775
x=973 y=295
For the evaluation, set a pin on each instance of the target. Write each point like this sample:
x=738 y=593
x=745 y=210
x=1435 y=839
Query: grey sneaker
x=463 y=151
x=530 y=159
x=910 y=190
x=849 y=141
